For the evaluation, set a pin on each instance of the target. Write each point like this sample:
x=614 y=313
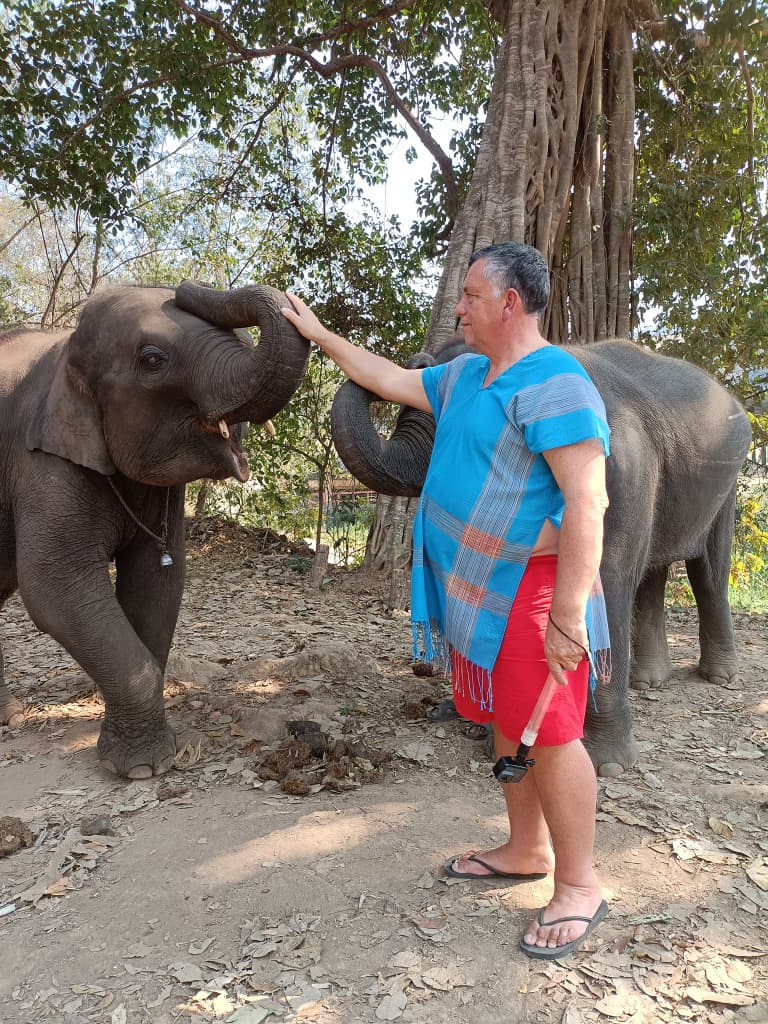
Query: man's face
x=480 y=308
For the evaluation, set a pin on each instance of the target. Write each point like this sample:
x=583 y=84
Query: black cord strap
x=567 y=637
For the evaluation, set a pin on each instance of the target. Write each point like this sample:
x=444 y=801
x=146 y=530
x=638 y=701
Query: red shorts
x=521 y=669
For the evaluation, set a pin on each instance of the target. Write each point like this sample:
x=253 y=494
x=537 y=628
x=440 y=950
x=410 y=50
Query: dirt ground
x=229 y=890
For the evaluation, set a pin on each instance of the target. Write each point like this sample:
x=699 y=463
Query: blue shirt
x=488 y=490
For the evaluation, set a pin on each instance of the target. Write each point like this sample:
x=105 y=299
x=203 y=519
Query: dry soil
x=279 y=878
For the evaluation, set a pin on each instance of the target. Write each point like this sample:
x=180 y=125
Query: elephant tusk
x=224 y=429
x=269 y=426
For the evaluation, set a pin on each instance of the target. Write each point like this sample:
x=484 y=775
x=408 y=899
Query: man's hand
x=305 y=321
x=562 y=651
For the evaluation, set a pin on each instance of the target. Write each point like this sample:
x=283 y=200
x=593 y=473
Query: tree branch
x=325 y=70
x=9 y=241
x=338 y=64
x=309 y=42
x=750 y=107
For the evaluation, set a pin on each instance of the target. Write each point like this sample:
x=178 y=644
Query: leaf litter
x=686 y=938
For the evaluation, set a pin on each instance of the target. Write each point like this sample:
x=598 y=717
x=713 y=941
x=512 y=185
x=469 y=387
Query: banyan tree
x=555 y=164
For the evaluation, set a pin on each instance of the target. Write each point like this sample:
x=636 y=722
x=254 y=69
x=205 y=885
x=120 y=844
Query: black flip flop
x=445 y=711
x=509 y=876
x=558 y=952
x=477 y=731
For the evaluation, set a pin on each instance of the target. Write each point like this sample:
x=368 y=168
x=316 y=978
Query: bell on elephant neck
x=161 y=541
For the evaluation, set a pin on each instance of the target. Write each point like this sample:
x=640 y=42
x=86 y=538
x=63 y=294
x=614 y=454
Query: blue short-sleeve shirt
x=488 y=489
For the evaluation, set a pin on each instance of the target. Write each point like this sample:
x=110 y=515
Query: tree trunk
x=202 y=497
x=321 y=485
x=389 y=541
x=319 y=566
x=555 y=165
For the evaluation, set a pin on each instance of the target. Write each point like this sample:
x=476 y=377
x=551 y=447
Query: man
x=507 y=546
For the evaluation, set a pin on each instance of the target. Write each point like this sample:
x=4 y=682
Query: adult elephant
x=100 y=429
x=678 y=441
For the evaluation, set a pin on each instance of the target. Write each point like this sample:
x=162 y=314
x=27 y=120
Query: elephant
x=101 y=428
x=678 y=442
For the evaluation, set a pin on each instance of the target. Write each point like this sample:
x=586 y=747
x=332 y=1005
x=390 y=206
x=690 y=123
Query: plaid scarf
x=487 y=494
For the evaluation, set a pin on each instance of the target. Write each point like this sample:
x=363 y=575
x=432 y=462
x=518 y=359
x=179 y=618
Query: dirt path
x=224 y=894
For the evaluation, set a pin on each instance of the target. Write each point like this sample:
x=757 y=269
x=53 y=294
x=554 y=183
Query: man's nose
x=459 y=310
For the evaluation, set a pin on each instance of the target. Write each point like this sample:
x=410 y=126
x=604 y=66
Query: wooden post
x=319 y=565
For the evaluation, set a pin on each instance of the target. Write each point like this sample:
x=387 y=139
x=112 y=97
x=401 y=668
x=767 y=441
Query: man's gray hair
x=518 y=266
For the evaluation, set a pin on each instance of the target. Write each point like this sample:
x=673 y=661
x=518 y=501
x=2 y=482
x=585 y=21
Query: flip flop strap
x=561 y=920
x=483 y=864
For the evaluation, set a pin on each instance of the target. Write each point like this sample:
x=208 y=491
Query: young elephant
x=100 y=429
x=678 y=441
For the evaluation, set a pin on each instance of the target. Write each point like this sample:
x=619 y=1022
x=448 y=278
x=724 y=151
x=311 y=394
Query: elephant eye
x=152 y=359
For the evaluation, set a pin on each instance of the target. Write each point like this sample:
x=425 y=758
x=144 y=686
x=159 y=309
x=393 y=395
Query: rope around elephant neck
x=162 y=540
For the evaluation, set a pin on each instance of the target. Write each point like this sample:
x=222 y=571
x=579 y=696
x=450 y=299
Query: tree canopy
x=701 y=221
x=626 y=140
x=92 y=89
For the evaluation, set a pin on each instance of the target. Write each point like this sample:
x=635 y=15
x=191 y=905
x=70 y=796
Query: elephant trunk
x=279 y=360
x=397 y=466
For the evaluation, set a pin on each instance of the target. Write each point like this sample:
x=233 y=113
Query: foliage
x=10 y=313
x=749 y=563
x=229 y=214
x=347 y=524
x=92 y=91
x=701 y=239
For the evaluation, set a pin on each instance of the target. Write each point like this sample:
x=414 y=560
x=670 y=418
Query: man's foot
x=476 y=731
x=502 y=862
x=564 y=924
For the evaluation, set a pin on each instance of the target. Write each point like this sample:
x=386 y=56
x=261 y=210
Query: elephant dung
x=14 y=835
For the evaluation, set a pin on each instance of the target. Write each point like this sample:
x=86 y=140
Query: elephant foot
x=151 y=753
x=649 y=673
x=11 y=713
x=611 y=756
x=721 y=673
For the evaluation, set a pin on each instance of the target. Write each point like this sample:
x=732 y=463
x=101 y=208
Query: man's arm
x=579 y=470
x=385 y=378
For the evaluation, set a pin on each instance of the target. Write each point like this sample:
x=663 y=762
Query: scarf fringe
x=430 y=647
x=598 y=639
x=478 y=681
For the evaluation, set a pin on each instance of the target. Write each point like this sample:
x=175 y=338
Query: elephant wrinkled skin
x=678 y=441
x=100 y=429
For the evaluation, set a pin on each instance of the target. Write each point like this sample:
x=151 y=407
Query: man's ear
x=67 y=421
x=512 y=302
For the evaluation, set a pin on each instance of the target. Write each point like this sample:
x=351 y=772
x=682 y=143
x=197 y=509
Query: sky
x=397 y=196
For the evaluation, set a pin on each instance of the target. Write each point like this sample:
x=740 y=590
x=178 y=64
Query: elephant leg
x=69 y=595
x=708 y=576
x=11 y=710
x=608 y=726
x=149 y=593
x=651 y=665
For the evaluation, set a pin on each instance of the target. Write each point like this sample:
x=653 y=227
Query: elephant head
x=151 y=381
x=398 y=465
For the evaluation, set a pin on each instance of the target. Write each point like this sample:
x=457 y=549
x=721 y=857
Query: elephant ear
x=67 y=422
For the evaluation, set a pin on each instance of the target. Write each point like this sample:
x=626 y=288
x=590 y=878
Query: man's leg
x=565 y=782
x=528 y=850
